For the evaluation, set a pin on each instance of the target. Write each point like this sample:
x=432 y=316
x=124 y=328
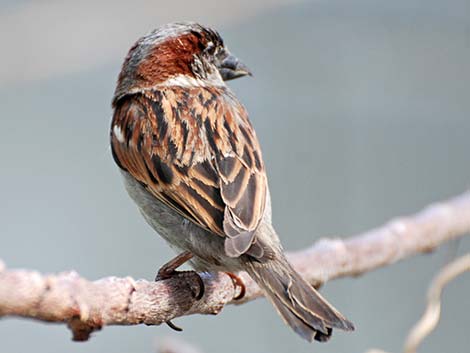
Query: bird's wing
x=195 y=150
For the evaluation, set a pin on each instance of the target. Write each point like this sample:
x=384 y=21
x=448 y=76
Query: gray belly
x=181 y=233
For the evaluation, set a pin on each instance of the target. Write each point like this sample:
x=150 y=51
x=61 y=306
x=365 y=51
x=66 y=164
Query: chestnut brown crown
x=186 y=52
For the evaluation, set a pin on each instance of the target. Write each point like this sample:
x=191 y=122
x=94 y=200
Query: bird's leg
x=168 y=270
x=237 y=282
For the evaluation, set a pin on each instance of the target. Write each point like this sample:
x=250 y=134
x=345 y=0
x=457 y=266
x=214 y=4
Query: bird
x=191 y=161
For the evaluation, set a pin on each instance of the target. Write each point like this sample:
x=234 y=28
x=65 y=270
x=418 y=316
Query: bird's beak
x=230 y=67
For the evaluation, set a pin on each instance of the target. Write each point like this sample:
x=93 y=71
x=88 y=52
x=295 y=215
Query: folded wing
x=196 y=151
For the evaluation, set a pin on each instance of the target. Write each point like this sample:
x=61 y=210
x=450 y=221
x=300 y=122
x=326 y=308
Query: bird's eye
x=210 y=48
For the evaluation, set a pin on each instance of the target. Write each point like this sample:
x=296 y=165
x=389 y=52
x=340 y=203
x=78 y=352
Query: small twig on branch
x=430 y=318
x=87 y=306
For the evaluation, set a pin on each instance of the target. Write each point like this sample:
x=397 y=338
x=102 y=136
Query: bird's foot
x=195 y=284
x=238 y=283
x=192 y=278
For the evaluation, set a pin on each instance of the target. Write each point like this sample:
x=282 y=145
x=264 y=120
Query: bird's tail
x=298 y=303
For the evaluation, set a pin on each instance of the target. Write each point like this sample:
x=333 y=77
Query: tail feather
x=298 y=303
x=303 y=329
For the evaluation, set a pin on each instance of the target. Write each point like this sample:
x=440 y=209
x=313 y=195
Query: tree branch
x=87 y=306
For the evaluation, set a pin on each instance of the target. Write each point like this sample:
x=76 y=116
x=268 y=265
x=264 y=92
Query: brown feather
x=196 y=151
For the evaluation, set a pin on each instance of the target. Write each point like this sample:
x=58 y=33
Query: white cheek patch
x=183 y=81
x=118 y=133
x=188 y=81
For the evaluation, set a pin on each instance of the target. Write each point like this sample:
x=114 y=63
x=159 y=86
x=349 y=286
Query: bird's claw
x=237 y=282
x=194 y=277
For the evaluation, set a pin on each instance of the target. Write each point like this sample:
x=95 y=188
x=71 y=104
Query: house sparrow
x=192 y=162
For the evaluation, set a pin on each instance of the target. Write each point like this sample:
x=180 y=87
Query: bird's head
x=178 y=54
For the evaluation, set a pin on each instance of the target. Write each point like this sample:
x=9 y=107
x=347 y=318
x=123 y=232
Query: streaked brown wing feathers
x=213 y=175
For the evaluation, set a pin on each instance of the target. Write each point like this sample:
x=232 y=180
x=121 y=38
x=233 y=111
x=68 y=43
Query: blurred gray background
x=362 y=108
